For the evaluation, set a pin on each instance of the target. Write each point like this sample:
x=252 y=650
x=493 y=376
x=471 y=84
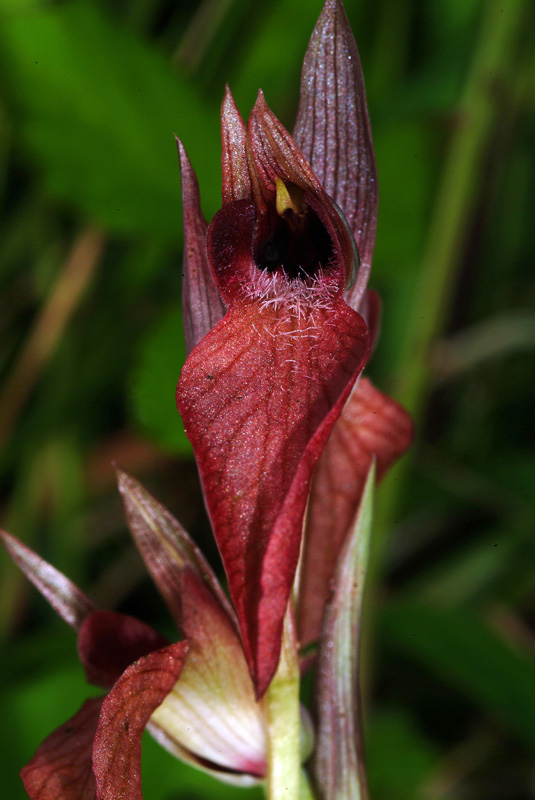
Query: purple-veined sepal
x=66 y=599
x=333 y=131
x=202 y=307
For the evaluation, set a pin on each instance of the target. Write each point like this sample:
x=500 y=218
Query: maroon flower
x=196 y=696
x=262 y=389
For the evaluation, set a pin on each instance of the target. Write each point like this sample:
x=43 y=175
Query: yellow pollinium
x=288 y=198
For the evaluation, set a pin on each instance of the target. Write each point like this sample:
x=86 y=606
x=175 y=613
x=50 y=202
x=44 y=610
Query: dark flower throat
x=294 y=241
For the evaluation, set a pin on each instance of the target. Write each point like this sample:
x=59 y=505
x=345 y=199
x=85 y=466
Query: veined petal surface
x=108 y=642
x=333 y=131
x=238 y=176
x=202 y=307
x=61 y=768
x=258 y=397
x=65 y=598
x=124 y=715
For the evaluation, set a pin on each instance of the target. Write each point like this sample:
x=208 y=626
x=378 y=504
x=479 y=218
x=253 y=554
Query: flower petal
x=338 y=762
x=125 y=713
x=237 y=177
x=165 y=547
x=225 y=776
x=275 y=153
x=64 y=597
x=258 y=397
x=370 y=425
x=212 y=711
x=333 y=131
x=201 y=302
x=109 y=642
x=61 y=768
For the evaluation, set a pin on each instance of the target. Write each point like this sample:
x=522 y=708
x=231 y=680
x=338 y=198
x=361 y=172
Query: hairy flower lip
x=261 y=392
x=231 y=251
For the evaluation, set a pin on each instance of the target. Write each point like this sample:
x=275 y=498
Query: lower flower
x=196 y=697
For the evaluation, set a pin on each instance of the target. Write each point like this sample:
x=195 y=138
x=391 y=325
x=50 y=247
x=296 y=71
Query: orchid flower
x=196 y=693
x=262 y=389
x=279 y=325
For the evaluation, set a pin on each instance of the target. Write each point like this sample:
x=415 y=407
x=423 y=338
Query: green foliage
x=469 y=655
x=154 y=383
x=98 y=109
x=400 y=760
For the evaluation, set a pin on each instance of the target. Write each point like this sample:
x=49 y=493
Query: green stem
x=283 y=722
x=305 y=790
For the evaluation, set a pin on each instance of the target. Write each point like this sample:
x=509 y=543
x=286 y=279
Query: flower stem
x=284 y=781
x=305 y=790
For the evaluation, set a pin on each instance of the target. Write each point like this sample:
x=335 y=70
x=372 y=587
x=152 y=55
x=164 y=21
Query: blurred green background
x=91 y=348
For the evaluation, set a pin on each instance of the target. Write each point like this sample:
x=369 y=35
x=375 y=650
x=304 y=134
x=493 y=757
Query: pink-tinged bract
x=166 y=548
x=66 y=599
